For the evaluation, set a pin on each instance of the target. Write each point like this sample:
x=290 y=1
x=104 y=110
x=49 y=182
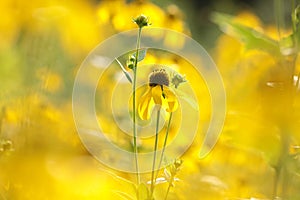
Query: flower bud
x=178 y=79
x=141 y=21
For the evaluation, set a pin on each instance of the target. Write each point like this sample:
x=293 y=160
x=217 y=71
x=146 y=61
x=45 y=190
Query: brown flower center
x=159 y=77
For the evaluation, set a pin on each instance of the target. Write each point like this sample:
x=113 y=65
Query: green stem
x=281 y=179
x=284 y=156
x=154 y=153
x=279 y=17
x=280 y=173
x=135 y=148
x=164 y=145
x=293 y=16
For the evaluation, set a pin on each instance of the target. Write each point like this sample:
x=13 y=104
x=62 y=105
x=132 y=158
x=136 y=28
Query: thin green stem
x=284 y=154
x=164 y=145
x=280 y=179
x=294 y=16
x=278 y=7
x=154 y=153
x=135 y=148
x=288 y=60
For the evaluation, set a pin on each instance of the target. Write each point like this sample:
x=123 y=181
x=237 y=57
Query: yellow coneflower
x=158 y=93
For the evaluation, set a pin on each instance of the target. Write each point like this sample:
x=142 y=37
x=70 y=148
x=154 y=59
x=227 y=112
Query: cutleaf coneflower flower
x=158 y=93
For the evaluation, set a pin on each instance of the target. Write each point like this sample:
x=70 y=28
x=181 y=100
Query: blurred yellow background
x=43 y=43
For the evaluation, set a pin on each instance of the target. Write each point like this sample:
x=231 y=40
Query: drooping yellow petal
x=157 y=94
x=145 y=104
x=172 y=103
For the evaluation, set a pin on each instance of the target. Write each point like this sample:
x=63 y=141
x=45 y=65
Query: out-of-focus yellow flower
x=174 y=21
x=117 y=13
x=134 y=9
x=107 y=9
x=51 y=81
x=249 y=67
x=158 y=92
x=8 y=23
x=79 y=28
x=229 y=50
x=248 y=19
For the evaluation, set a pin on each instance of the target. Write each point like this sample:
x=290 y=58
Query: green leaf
x=252 y=38
x=295 y=17
x=287 y=44
x=142 y=54
x=124 y=71
x=296 y=26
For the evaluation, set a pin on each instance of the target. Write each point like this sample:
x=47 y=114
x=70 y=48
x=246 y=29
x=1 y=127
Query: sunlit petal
x=157 y=94
x=173 y=105
x=145 y=104
x=171 y=100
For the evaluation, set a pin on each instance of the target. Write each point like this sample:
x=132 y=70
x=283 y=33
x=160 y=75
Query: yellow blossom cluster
x=43 y=42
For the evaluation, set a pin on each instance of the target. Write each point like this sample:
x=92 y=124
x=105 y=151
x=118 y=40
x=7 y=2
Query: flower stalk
x=154 y=153
x=165 y=144
x=288 y=61
x=135 y=148
x=141 y=21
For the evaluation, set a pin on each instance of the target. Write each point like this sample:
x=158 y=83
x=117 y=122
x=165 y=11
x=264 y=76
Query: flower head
x=159 y=93
x=159 y=77
x=141 y=21
x=178 y=79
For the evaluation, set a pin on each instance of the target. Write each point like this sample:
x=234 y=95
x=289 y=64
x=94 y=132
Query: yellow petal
x=145 y=104
x=171 y=100
x=157 y=94
x=173 y=105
